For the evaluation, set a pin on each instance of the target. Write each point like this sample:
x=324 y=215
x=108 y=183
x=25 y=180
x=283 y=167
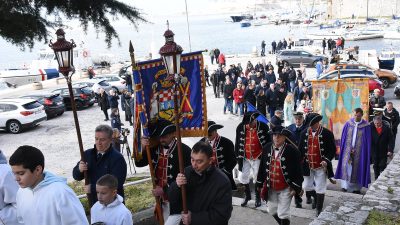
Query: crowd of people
x=286 y=158
x=259 y=86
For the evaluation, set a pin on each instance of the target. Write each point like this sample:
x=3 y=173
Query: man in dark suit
x=382 y=145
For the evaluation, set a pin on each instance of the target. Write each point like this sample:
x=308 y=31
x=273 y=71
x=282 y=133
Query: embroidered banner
x=154 y=94
x=336 y=99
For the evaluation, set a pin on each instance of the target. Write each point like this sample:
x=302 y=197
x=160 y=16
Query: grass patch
x=381 y=218
x=137 y=197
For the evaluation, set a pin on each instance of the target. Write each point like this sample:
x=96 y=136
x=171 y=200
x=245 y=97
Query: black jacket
x=394 y=119
x=263 y=137
x=290 y=162
x=250 y=96
x=262 y=104
x=209 y=197
x=173 y=161
x=226 y=157
x=272 y=98
x=381 y=144
x=112 y=162
x=270 y=77
x=228 y=91
x=327 y=149
x=104 y=105
x=296 y=132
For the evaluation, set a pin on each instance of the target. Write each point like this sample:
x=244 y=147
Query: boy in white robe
x=43 y=199
x=109 y=208
x=8 y=193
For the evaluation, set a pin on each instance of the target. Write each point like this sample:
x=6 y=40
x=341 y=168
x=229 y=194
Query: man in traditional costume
x=251 y=136
x=223 y=151
x=279 y=176
x=354 y=159
x=317 y=147
x=296 y=128
x=165 y=161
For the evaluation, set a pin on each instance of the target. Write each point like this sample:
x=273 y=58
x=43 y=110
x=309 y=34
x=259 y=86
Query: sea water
x=206 y=32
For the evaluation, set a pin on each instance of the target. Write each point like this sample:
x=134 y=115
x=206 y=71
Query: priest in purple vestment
x=354 y=159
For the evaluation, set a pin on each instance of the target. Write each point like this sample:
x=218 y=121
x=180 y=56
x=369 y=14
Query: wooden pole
x=158 y=209
x=78 y=133
x=178 y=137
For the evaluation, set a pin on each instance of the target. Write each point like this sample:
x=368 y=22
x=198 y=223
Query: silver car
x=294 y=57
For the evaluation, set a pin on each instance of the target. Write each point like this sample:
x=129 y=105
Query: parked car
x=373 y=82
x=116 y=82
x=387 y=77
x=94 y=84
x=17 y=114
x=53 y=103
x=84 y=97
x=296 y=56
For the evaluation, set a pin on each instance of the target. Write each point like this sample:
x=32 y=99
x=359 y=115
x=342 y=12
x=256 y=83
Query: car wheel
x=116 y=90
x=385 y=83
x=314 y=63
x=285 y=62
x=14 y=126
x=79 y=105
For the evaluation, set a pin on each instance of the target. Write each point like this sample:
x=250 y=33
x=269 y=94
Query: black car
x=84 y=97
x=53 y=103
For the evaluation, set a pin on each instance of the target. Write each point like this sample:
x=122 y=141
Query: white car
x=114 y=80
x=17 y=114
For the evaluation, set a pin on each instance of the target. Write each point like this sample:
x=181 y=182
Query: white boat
x=392 y=34
x=43 y=68
x=392 y=54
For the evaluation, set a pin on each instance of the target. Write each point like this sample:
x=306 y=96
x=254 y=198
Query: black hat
x=164 y=127
x=250 y=117
x=298 y=114
x=280 y=130
x=213 y=126
x=314 y=118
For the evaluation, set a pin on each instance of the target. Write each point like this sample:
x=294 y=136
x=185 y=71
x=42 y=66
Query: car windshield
x=86 y=90
x=31 y=105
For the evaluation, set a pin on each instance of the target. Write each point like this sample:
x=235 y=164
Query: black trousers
x=105 y=113
x=379 y=166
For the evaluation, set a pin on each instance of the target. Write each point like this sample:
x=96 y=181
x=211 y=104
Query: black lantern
x=171 y=53
x=63 y=50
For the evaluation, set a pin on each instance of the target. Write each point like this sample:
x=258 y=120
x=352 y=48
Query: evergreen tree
x=22 y=22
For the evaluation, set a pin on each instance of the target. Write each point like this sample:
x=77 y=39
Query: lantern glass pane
x=60 y=59
x=169 y=63
x=178 y=63
x=65 y=55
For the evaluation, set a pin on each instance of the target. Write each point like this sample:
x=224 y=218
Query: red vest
x=252 y=146
x=276 y=178
x=161 y=171
x=314 y=153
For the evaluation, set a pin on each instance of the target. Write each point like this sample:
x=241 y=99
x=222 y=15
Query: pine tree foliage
x=24 y=22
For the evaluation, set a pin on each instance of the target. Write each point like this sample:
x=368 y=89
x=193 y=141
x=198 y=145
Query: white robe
x=51 y=202
x=114 y=213
x=8 y=193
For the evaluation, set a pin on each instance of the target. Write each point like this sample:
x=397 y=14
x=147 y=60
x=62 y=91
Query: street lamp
x=63 y=50
x=171 y=55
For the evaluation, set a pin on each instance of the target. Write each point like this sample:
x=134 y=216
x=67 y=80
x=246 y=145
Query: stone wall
x=358 y=8
x=382 y=195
